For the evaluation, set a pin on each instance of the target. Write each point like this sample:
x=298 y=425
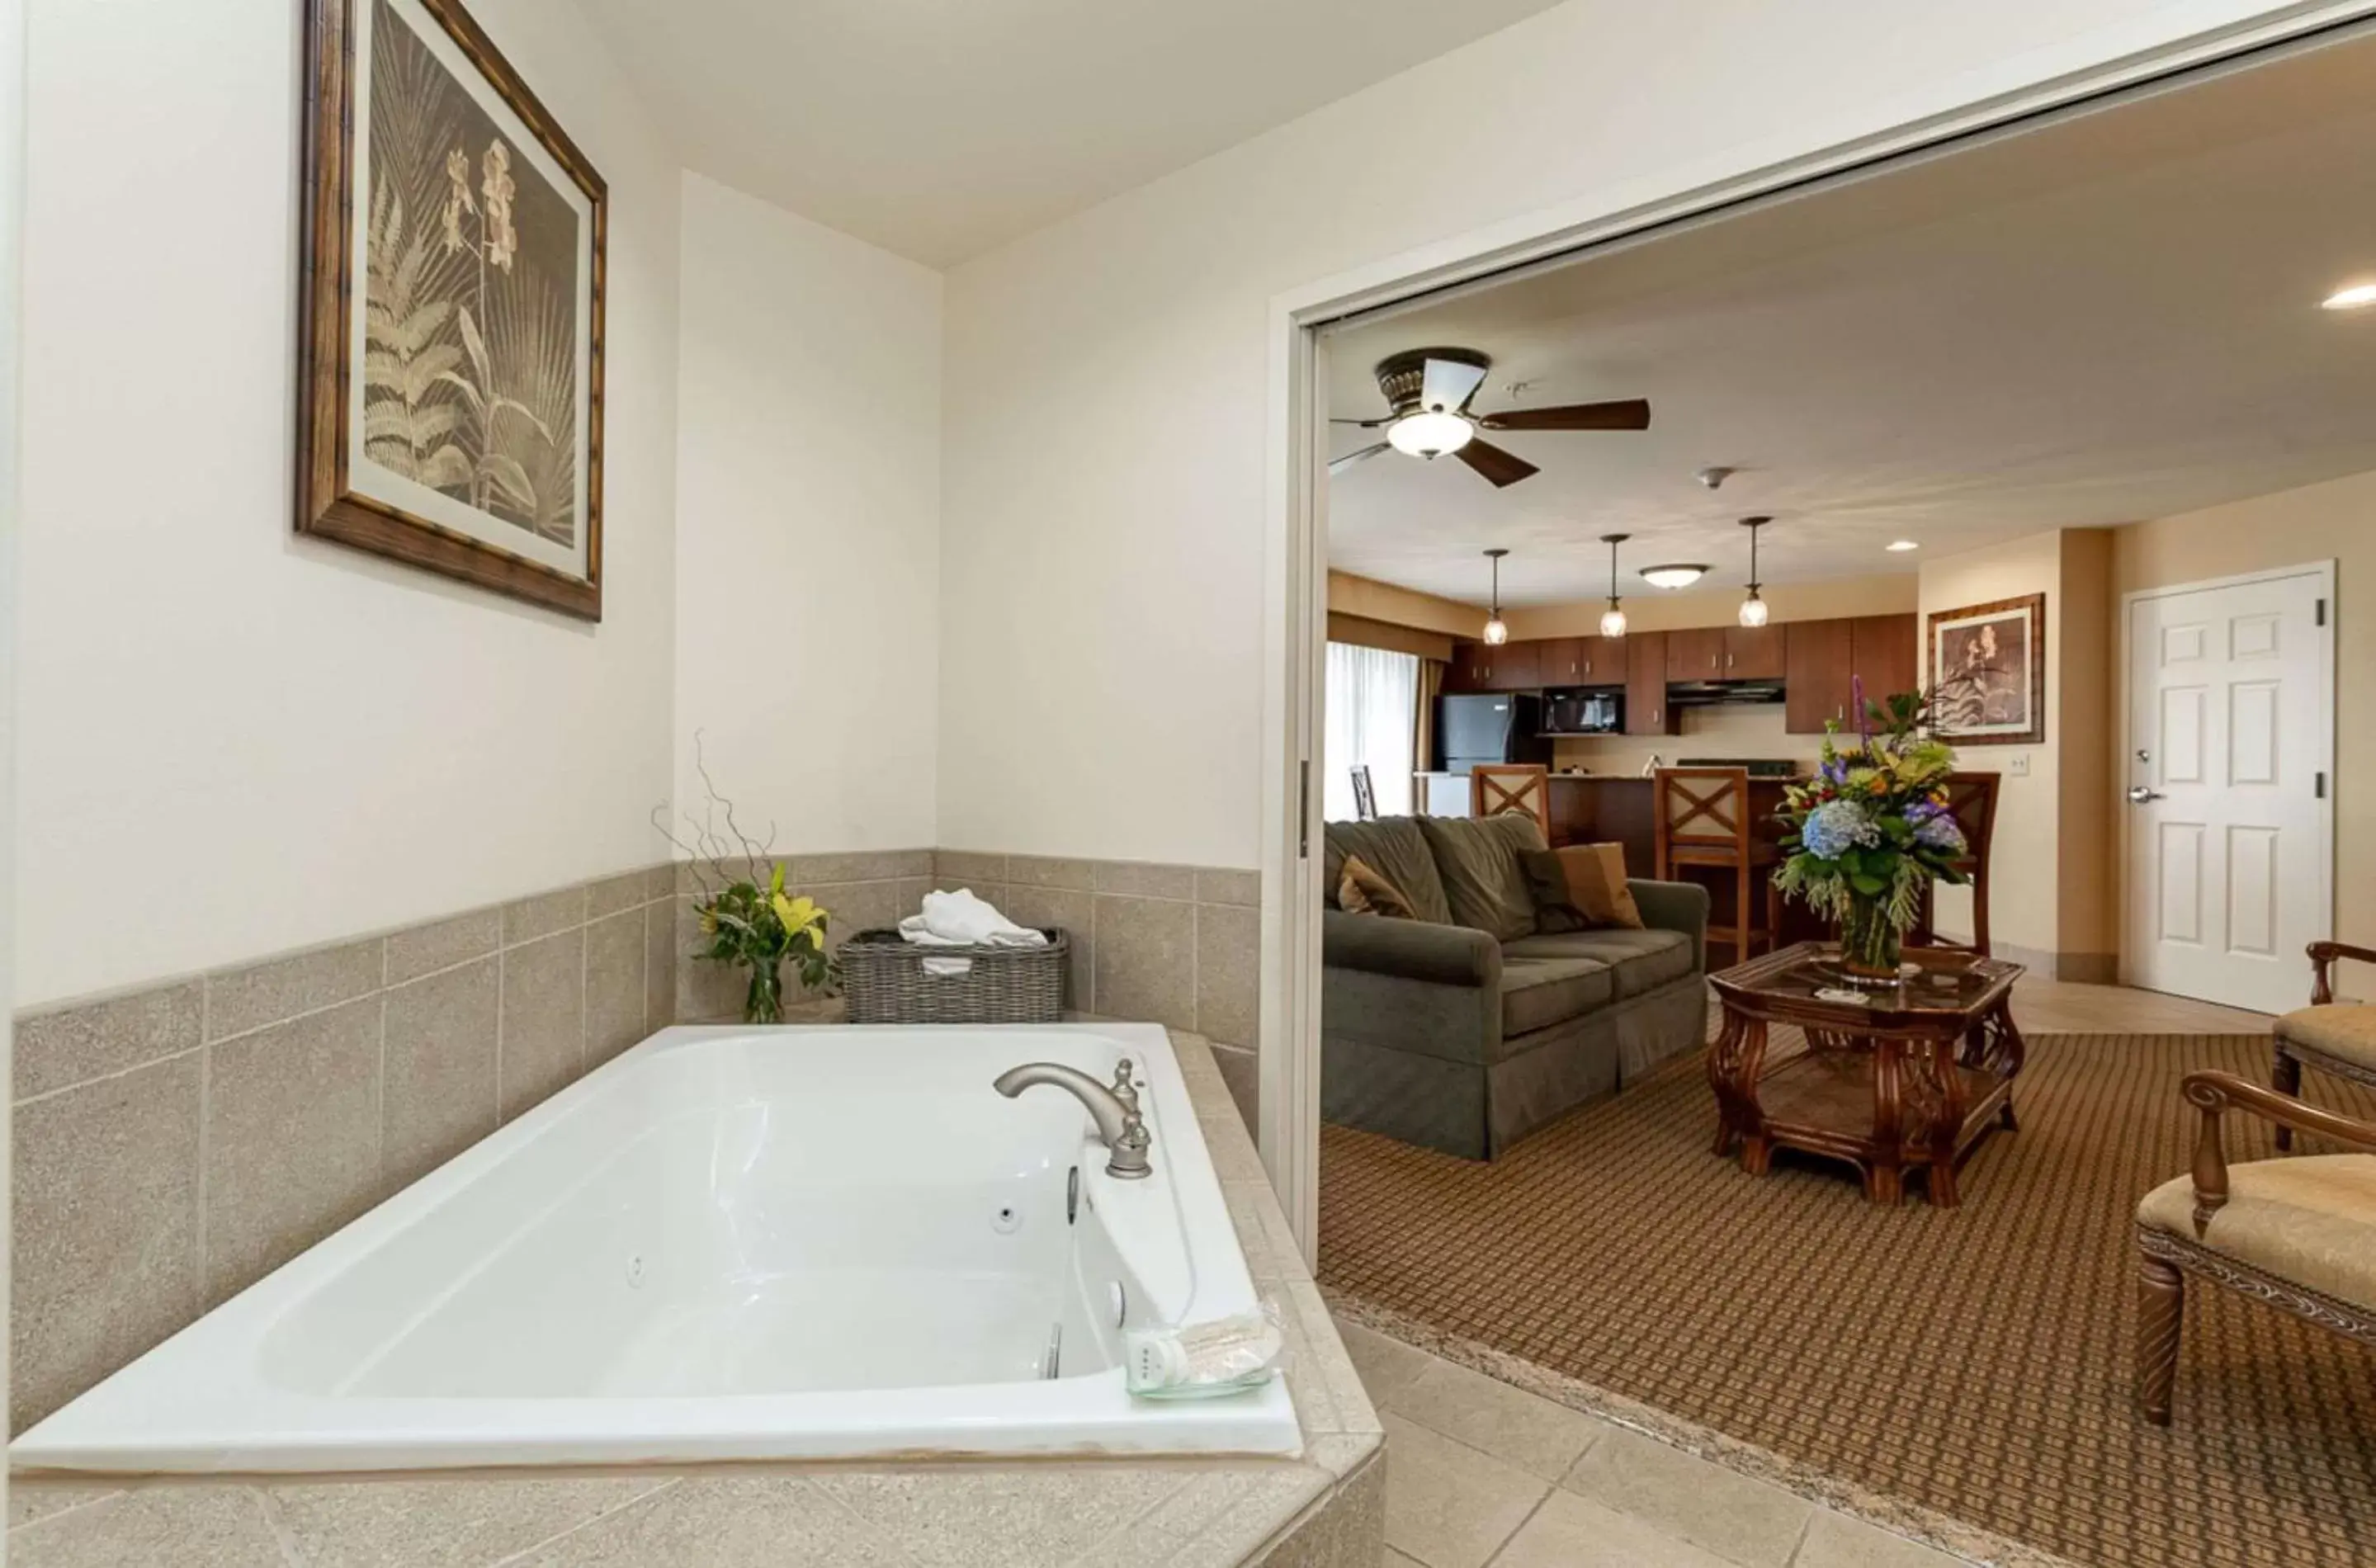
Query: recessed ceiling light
x=1902 y=544
x=2354 y=298
x=1675 y=574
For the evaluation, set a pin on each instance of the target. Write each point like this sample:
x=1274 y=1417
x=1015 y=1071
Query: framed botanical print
x=450 y=374
x=1987 y=672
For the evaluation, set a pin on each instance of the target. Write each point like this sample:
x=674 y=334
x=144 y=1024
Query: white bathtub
x=727 y=1244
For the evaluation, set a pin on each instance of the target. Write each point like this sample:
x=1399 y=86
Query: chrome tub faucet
x=1115 y=1110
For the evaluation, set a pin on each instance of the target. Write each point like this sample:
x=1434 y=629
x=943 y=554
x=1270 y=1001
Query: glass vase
x=1869 y=942
x=763 y=1003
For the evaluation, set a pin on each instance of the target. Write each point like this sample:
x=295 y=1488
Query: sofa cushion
x=1396 y=850
x=1539 y=992
x=1555 y=908
x=2310 y=1220
x=1640 y=960
x=2346 y=1033
x=1483 y=880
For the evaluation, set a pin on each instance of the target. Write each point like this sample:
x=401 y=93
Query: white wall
x=808 y=525
x=232 y=741
x=1102 y=533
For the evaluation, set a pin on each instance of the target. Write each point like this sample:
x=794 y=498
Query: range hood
x=1709 y=694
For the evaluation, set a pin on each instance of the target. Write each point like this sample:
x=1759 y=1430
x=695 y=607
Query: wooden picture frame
x=1987 y=672
x=467 y=443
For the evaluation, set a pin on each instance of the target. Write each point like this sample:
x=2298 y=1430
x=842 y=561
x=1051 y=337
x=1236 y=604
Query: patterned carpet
x=1973 y=1360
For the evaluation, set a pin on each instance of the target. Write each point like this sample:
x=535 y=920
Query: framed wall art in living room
x=1987 y=672
x=450 y=357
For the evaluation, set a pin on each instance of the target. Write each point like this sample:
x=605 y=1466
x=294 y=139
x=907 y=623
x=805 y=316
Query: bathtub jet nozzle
x=1120 y=1126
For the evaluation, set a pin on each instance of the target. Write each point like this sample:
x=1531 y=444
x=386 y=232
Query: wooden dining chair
x=1972 y=801
x=1365 y=794
x=1702 y=818
x=1522 y=787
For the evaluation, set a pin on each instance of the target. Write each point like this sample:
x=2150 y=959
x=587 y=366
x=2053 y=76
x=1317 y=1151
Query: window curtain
x=1373 y=719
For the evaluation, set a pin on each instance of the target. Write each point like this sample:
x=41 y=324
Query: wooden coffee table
x=1910 y=1078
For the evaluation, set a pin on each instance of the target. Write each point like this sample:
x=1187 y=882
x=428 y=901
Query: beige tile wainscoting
x=1324 y=1510
x=176 y=1142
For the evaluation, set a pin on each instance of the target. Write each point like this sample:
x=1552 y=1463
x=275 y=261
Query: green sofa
x=1470 y=1027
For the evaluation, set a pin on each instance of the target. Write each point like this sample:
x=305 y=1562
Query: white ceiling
x=940 y=129
x=2109 y=318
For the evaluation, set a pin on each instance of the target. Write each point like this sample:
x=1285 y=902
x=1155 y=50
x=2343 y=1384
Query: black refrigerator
x=1493 y=727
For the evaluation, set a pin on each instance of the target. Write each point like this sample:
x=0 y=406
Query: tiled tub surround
x=1324 y=1510
x=177 y=1143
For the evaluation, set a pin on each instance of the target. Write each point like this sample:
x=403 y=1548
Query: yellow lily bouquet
x=761 y=927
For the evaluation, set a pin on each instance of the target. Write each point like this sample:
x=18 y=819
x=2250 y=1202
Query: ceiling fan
x=1428 y=390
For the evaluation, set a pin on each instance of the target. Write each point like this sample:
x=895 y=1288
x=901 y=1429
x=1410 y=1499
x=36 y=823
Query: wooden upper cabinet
x=1467 y=671
x=1818 y=658
x=1885 y=653
x=1605 y=660
x=1514 y=667
x=1646 y=712
x=1563 y=662
x=1755 y=653
x=1695 y=654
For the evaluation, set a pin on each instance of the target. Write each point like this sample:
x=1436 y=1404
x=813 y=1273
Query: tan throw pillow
x=1363 y=892
x=1595 y=884
x=1555 y=908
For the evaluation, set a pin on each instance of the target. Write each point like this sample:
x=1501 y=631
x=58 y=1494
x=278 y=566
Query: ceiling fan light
x=1752 y=610
x=1428 y=434
x=1497 y=631
x=1612 y=620
x=1674 y=575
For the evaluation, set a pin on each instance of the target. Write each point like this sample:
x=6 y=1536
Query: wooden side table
x=1912 y=1077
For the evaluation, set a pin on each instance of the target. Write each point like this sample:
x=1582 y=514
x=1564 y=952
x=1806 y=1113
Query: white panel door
x=2229 y=784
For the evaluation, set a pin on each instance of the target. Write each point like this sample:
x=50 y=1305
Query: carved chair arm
x=2322 y=956
x=2214 y=1094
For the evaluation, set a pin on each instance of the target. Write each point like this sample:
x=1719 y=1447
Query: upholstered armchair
x=2336 y=1040
x=2297 y=1233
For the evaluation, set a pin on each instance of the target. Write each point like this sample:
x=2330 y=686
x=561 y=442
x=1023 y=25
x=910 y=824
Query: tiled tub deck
x=1324 y=1510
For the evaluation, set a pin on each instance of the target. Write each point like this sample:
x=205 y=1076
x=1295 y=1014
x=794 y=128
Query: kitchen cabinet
x=1604 y=661
x=1886 y=653
x=1563 y=662
x=1755 y=653
x=1514 y=667
x=1818 y=659
x=1695 y=654
x=1647 y=657
x=1470 y=669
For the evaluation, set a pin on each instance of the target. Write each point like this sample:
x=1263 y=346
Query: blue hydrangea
x=1834 y=826
x=1941 y=833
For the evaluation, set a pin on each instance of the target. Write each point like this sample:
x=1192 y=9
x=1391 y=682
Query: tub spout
x=1120 y=1126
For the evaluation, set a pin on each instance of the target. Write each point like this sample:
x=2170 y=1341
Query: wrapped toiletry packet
x=1199 y=1360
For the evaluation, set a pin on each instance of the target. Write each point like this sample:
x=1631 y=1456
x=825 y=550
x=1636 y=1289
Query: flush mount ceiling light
x=1902 y=544
x=2358 y=296
x=1674 y=575
x=1496 y=633
x=1752 y=608
x=1613 y=619
x=1429 y=434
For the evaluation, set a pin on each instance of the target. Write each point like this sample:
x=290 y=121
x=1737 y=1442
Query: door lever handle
x=2139 y=795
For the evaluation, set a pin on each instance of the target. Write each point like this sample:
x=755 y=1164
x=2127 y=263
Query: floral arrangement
x=1872 y=829
x=746 y=917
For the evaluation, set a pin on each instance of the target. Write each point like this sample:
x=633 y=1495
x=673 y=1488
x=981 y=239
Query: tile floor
x=1480 y=1473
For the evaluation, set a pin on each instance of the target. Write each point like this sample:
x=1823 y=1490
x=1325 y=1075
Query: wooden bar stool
x=1521 y=786
x=1365 y=794
x=1702 y=816
x=1972 y=802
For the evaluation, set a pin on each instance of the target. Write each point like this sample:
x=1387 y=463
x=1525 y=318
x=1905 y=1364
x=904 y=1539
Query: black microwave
x=1584 y=713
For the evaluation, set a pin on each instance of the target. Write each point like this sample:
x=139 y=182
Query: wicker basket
x=884 y=977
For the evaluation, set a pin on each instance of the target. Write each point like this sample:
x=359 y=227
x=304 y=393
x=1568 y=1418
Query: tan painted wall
x=1373 y=600
x=2333 y=522
x=2088 y=904
x=1652 y=610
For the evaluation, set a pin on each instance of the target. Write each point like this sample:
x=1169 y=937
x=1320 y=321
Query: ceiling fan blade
x=1366 y=425
x=1448 y=384
x=1349 y=459
x=1629 y=413
x=1502 y=468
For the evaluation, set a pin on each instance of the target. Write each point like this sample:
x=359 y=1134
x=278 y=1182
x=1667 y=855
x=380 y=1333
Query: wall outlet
x=2017 y=765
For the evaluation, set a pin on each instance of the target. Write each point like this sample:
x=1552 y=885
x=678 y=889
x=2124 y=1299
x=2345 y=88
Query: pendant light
x=1613 y=619
x=1496 y=633
x=1752 y=608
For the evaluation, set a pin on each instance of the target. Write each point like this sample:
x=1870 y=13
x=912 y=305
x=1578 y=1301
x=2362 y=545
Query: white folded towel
x=960 y=919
